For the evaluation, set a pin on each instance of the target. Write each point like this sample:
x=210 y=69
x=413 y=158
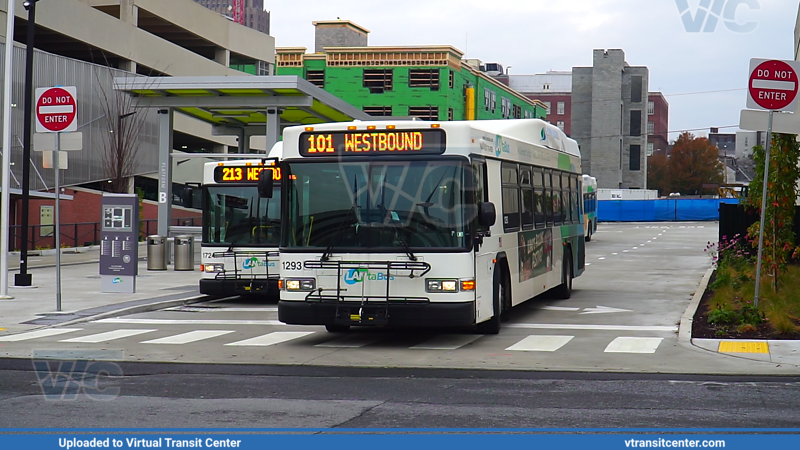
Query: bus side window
x=548 y=198
x=479 y=185
x=538 y=199
x=510 y=194
x=527 y=198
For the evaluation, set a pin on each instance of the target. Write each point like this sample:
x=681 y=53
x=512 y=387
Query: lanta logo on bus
x=252 y=263
x=500 y=146
x=354 y=276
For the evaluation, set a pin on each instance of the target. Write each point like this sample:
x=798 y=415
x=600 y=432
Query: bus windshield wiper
x=337 y=235
x=395 y=232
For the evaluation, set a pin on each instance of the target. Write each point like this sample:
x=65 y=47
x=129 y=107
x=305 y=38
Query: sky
x=703 y=75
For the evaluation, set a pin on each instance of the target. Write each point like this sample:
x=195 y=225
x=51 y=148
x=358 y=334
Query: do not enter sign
x=773 y=85
x=56 y=109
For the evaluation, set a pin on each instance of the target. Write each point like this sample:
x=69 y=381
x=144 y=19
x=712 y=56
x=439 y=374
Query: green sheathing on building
x=347 y=83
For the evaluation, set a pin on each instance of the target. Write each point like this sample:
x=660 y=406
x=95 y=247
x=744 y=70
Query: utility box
x=119 y=243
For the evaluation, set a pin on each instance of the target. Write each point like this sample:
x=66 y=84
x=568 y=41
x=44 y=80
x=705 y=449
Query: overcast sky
x=533 y=36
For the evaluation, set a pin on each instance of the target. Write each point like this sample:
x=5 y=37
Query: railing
x=81 y=234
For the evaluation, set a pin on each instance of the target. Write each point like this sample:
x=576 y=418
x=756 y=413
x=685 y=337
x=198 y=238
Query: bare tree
x=125 y=116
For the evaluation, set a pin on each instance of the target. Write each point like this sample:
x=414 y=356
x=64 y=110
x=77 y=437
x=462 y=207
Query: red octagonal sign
x=773 y=85
x=56 y=109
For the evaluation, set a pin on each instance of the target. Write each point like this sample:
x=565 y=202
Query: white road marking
x=219 y=309
x=353 y=341
x=615 y=253
x=602 y=257
x=447 y=342
x=633 y=345
x=603 y=310
x=107 y=336
x=271 y=339
x=37 y=334
x=185 y=338
x=119 y=320
x=625 y=251
x=635 y=248
x=540 y=343
x=559 y=308
x=575 y=326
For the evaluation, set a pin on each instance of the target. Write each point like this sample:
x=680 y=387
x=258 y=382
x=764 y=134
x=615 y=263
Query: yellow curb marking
x=743 y=347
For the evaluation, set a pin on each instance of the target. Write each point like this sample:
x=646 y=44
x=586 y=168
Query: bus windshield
x=236 y=215
x=382 y=204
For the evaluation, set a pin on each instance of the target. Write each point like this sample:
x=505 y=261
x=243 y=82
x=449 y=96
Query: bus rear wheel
x=564 y=291
x=589 y=234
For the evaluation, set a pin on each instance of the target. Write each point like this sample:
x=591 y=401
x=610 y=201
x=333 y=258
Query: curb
x=685 y=327
x=138 y=309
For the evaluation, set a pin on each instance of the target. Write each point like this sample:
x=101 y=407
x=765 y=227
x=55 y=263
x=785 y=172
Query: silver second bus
x=241 y=228
x=426 y=224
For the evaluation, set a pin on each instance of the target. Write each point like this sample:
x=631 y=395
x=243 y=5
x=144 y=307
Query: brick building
x=657 y=123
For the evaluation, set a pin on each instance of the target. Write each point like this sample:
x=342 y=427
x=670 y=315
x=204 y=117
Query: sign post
x=57 y=112
x=772 y=86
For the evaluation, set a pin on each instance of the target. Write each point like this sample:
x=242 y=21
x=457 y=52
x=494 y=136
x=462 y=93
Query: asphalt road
x=155 y=396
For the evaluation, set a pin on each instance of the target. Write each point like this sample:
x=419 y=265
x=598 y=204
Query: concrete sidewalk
x=81 y=296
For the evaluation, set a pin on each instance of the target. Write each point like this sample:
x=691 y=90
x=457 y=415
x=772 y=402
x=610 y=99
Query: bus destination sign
x=243 y=174
x=372 y=142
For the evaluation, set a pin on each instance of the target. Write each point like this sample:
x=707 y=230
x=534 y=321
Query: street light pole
x=23 y=278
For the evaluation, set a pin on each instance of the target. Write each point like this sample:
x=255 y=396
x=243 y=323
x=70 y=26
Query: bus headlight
x=213 y=268
x=300 y=284
x=434 y=285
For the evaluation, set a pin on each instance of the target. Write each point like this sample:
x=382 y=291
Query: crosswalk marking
x=576 y=326
x=188 y=322
x=185 y=338
x=633 y=345
x=273 y=338
x=353 y=341
x=37 y=334
x=107 y=336
x=447 y=342
x=535 y=343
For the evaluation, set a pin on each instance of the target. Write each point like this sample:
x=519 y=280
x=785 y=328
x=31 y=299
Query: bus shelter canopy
x=241 y=101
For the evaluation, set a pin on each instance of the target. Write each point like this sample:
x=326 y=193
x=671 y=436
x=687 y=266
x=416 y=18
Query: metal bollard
x=156 y=253
x=184 y=253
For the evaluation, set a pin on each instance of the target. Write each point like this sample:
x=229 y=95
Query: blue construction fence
x=662 y=210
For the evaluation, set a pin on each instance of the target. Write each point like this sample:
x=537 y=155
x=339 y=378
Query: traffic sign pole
x=58 y=224
x=773 y=86
x=763 y=209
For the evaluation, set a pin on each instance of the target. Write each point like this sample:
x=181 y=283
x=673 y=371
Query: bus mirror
x=265 y=184
x=187 y=197
x=487 y=215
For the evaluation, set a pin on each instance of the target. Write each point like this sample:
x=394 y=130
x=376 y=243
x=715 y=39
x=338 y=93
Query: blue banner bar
x=418 y=439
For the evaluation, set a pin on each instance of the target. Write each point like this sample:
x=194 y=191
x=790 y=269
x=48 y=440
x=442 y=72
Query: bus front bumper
x=401 y=314
x=239 y=287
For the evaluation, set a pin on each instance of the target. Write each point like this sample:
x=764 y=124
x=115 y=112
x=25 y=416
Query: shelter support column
x=165 y=120
x=273 y=127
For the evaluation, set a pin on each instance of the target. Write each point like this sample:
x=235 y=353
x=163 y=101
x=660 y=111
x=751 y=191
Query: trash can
x=184 y=253
x=156 y=253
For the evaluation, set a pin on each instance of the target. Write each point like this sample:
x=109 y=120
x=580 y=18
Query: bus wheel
x=564 y=291
x=492 y=326
x=337 y=328
x=589 y=235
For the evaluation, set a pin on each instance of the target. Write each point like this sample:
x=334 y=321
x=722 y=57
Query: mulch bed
x=702 y=329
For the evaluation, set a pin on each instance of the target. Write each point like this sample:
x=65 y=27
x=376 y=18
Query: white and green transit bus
x=589 y=206
x=241 y=227
x=394 y=222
